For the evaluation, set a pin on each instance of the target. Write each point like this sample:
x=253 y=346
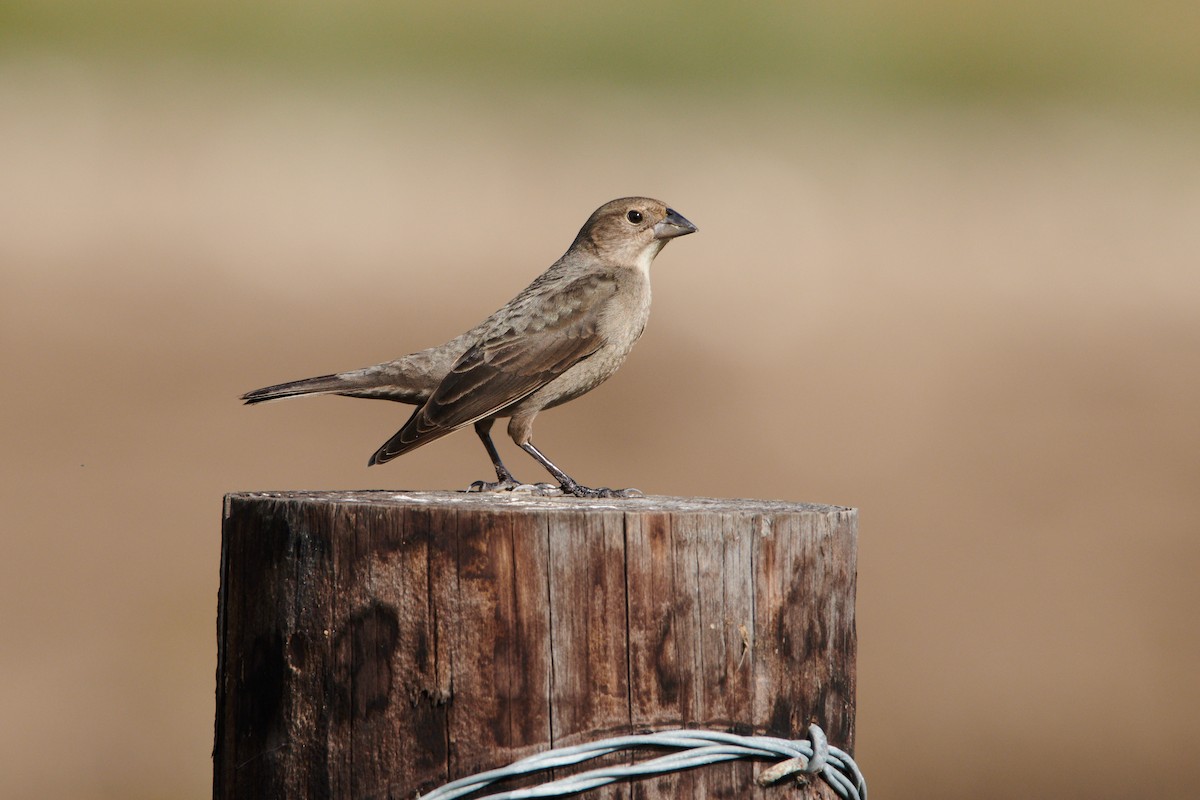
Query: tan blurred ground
x=982 y=328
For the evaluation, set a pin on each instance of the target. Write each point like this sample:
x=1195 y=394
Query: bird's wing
x=506 y=366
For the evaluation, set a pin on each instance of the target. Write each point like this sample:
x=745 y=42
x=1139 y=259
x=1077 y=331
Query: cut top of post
x=521 y=501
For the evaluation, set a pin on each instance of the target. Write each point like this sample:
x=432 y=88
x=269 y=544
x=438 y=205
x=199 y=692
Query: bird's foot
x=603 y=491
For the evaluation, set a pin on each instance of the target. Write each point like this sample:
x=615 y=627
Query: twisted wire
x=692 y=748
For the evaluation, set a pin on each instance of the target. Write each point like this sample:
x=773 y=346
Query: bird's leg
x=504 y=479
x=569 y=485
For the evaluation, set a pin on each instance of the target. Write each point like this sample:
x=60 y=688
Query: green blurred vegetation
x=1121 y=51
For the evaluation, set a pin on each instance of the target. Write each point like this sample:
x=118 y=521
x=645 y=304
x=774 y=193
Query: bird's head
x=630 y=231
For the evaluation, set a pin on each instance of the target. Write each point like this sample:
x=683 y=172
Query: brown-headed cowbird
x=564 y=335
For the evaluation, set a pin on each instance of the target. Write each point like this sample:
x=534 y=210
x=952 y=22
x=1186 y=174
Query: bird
x=560 y=337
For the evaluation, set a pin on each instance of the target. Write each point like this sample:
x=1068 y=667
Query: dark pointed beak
x=674 y=225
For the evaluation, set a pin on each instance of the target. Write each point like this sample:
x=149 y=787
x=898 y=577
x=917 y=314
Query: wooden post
x=379 y=644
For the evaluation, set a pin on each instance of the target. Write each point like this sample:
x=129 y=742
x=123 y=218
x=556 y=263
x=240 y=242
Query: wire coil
x=692 y=748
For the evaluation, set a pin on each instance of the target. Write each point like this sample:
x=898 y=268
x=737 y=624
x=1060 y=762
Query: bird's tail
x=323 y=384
x=396 y=380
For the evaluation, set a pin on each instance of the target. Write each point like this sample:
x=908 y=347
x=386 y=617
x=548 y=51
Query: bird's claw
x=549 y=489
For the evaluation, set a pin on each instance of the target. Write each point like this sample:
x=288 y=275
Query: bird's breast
x=619 y=325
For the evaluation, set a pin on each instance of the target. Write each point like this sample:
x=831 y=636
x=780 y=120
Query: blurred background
x=948 y=272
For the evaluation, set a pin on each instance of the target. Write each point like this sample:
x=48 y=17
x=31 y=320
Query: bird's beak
x=674 y=225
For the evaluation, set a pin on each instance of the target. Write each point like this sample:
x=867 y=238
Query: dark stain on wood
x=261 y=686
x=362 y=662
x=665 y=663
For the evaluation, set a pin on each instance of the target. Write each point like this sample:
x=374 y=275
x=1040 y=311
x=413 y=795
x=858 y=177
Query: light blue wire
x=696 y=748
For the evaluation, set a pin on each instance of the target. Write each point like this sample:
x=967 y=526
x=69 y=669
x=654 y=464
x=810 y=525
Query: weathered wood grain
x=378 y=644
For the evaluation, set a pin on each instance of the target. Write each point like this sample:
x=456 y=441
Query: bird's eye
x=634 y=216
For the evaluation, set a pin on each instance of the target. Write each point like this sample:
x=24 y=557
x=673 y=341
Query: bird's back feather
x=510 y=364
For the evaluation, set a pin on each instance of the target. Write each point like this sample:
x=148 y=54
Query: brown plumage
x=565 y=334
